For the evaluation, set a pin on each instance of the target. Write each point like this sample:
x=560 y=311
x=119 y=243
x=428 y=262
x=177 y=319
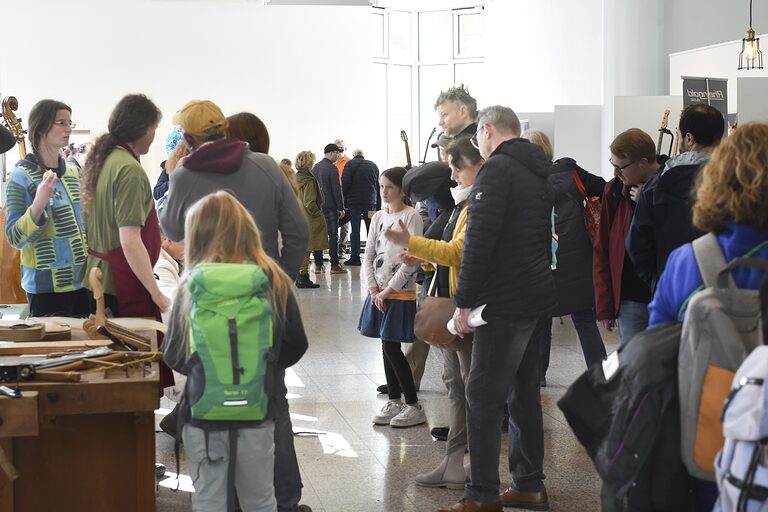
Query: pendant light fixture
x=750 y=56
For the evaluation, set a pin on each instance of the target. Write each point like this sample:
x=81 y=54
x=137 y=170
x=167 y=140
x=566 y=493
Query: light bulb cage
x=755 y=61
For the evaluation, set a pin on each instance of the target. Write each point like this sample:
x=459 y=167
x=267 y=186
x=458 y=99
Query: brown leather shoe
x=526 y=500
x=473 y=506
x=338 y=269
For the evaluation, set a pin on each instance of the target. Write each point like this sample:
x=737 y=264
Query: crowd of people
x=496 y=223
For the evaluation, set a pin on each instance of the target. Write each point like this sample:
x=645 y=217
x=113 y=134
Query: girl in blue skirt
x=390 y=307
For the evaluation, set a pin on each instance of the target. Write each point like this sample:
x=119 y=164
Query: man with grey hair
x=505 y=266
x=360 y=187
x=456 y=110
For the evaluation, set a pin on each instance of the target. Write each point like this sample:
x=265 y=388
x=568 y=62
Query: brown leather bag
x=431 y=320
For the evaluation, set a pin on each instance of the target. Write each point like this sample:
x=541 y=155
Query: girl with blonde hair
x=222 y=241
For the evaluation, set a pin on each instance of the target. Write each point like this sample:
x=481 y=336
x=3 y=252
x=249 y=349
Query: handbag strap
x=579 y=184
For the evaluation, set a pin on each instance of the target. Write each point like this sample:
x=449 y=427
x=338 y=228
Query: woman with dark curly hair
x=121 y=222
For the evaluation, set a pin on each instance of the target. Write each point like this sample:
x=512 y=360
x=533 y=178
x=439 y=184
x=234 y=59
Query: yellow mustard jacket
x=443 y=253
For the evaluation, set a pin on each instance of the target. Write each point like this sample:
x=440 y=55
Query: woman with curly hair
x=121 y=222
x=731 y=200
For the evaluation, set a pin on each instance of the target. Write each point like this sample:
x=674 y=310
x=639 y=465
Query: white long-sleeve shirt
x=382 y=263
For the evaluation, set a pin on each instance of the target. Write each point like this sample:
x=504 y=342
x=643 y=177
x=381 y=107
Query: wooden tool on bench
x=99 y=327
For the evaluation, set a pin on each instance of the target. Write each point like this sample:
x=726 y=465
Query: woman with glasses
x=621 y=297
x=44 y=218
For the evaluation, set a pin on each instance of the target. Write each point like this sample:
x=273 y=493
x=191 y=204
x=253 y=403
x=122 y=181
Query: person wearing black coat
x=360 y=188
x=505 y=266
x=663 y=220
x=573 y=272
x=572 y=264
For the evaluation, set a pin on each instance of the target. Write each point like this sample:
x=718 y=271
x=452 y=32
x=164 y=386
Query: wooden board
x=18 y=416
x=46 y=347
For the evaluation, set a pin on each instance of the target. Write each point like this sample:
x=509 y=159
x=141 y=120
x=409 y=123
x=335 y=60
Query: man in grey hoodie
x=220 y=163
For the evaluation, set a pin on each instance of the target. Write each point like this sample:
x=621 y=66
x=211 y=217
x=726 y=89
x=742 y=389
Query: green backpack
x=230 y=343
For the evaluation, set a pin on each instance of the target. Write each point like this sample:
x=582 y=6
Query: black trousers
x=72 y=304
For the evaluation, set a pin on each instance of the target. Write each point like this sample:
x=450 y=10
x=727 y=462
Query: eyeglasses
x=65 y=124
x=473 y=139
x=619 y=168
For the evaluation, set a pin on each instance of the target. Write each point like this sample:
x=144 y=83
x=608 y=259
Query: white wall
x=543 y=53
x=752 y=106
x=303 y=70
x=577 y=135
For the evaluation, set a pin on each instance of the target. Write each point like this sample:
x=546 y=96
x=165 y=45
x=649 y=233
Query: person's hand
x=608 y=325
x=161 y=301
x=410 y=261
x=44 y=193
x=373 y=291
x=634 y=192
x=381 y=297
x=341 y=214
x=399 y=237
x=461 y=321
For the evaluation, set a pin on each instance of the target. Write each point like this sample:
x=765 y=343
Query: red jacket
x=608 y=255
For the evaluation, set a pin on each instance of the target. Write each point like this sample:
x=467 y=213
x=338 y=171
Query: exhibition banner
x=711 y=91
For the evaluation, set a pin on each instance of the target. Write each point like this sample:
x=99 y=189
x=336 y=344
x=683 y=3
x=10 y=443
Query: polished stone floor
x=348 y=464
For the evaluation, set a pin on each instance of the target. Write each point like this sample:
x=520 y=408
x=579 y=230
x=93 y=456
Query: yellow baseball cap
x=201 y=118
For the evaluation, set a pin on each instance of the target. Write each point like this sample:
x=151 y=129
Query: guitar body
x=10 y=270
x=10 y=259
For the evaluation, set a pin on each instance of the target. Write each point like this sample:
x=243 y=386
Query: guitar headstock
x=404 y=136
x=665 y=120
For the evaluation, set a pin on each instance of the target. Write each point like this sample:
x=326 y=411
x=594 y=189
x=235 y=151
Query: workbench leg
x=6 y=485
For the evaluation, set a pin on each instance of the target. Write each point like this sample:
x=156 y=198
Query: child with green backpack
x=234 y=322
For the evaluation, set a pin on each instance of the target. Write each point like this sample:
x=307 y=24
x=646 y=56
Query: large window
x=417 y=55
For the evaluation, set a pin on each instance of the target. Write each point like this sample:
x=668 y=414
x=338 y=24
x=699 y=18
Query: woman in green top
x=121 y=222
x=44 y=219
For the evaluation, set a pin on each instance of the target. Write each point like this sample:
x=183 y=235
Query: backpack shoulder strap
x=710 y=259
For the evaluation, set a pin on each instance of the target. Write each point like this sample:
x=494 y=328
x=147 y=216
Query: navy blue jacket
x=360 y=183
x=327 y=176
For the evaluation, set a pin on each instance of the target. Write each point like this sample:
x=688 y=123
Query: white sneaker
x=390 y=410
x=411 y=415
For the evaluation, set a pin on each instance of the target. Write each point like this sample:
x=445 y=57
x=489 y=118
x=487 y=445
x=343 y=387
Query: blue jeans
x=589 y=337
x=505 y=366
x=332 y=224
x=356 y=213
x=633 y=318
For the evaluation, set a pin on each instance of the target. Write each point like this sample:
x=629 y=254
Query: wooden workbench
x=81 y=446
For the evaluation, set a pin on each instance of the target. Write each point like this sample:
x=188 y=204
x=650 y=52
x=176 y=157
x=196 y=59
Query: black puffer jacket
x=506 y=258
x=573 y=275
x=360 y=183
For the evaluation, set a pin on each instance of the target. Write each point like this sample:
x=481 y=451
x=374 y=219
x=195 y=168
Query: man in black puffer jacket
x=505 y=264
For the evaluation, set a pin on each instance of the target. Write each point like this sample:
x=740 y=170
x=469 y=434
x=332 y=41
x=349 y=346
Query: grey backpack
x=742 y=464
x=721 y=327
